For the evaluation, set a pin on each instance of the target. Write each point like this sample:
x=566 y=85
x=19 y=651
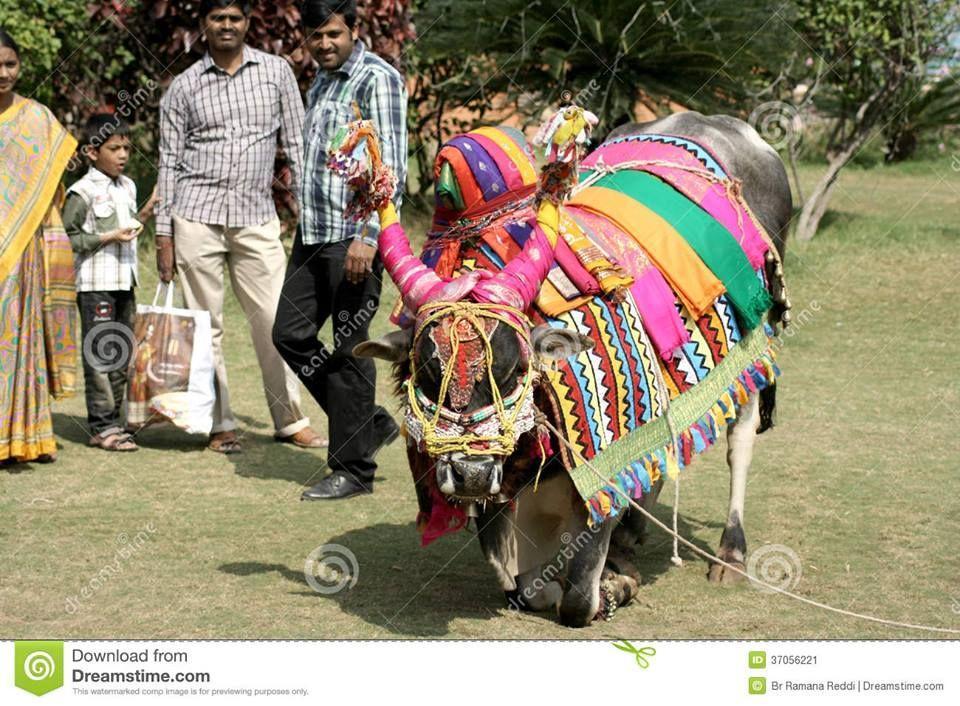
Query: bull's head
x=473 y=361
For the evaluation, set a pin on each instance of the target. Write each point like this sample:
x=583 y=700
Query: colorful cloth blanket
x=659 y=263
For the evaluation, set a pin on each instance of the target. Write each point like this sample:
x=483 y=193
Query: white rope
x=707 y=555
x=675 y=559
x=665 y=396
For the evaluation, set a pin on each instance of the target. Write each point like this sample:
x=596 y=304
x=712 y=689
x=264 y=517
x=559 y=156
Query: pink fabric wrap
x=655 y=300
x=519 y=282
x=515 y=285
x=651 y=293
x=710 y=195
x=574 y=270
x=415 y=280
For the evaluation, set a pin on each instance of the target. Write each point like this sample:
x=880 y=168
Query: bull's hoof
x=624 y=588
x=720 y=574
x=616 y=591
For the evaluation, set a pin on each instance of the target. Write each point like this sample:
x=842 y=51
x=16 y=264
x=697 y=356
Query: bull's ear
x=551 y=343
x=394 y=346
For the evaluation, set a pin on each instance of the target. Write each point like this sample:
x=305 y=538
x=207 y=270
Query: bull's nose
x=469 y=476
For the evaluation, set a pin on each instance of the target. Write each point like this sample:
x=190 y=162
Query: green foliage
x=933 y=111
x=869 y=59
x=516 y=58
x=46 y=31
x=612 y=52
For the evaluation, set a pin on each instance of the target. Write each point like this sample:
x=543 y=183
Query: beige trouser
x=257 y=263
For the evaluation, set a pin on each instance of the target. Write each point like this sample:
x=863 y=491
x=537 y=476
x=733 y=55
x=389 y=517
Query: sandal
x=225 y=442
x=114 y=441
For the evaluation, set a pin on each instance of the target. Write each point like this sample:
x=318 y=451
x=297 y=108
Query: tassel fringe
x=640 y=475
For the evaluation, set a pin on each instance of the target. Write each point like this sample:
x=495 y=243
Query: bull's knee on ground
x=536 y=596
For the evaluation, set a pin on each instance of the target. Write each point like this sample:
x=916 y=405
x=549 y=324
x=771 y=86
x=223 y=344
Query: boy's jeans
x=106 y=320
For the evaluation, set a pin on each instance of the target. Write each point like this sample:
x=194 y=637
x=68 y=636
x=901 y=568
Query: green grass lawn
x=859 y=479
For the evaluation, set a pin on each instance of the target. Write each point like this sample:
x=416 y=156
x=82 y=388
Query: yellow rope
x=474 y=314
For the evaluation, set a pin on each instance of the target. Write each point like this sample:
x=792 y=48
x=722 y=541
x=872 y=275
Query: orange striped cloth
x=688 y=276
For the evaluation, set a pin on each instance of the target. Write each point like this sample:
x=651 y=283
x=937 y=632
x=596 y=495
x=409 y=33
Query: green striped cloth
x=712 y=242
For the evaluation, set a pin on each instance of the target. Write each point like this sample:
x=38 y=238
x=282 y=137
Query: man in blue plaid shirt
x=334 y=271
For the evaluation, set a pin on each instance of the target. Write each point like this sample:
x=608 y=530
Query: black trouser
x=106 y=321
x=315 y=290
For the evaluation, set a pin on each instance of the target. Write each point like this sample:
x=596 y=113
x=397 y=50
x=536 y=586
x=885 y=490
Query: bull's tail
x=768 y=406
x=778 y=317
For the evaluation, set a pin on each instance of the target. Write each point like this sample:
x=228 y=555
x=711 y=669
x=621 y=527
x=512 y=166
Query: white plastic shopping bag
x=171 y=375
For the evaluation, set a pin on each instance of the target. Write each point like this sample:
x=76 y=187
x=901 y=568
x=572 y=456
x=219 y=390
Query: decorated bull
x=563 y=346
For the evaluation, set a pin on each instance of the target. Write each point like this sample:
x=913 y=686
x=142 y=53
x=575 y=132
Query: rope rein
x=707 y=555
x=473 y=314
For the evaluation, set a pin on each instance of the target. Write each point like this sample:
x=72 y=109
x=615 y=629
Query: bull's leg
x=581 y=596
x=630 y=532
x=733 y=543
x=632 y=529
x=537 y=590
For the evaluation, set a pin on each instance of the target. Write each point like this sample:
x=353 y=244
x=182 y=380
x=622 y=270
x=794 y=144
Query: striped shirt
x=97 y=204
x=218 y=141
x=379 y=91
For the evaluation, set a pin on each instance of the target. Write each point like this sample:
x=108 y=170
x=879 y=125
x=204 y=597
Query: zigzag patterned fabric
x=660 y=264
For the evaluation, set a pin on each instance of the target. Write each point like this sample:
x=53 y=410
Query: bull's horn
x=415 y=280
x=518 y=283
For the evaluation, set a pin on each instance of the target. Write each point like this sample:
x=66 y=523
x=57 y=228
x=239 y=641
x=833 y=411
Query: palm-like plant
x=933 y=107
x=518 y=57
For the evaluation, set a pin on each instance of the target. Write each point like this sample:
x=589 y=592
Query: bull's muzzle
x=463 y=476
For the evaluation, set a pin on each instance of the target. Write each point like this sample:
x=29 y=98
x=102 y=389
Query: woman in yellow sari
x=37 y=314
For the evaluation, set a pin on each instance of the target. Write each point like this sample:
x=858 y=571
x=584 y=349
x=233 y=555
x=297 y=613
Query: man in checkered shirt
x=334 y=271
x=219 y=126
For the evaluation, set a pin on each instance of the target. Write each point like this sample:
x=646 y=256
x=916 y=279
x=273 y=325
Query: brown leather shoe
x=306 y=438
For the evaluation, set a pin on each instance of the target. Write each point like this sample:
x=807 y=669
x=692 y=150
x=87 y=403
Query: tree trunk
x=816 y=206
x=792 y=161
